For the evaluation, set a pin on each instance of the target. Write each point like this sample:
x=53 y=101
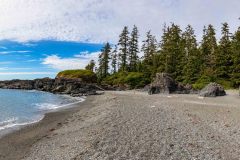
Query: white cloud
x=8 y=52
x=2 y=47
x=6 y=62
x=102 y=20
x=26 y=73
x=77 y=62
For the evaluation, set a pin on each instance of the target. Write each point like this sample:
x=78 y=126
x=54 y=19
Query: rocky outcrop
x=74 y=87
x=164 y=83
x=212 y=90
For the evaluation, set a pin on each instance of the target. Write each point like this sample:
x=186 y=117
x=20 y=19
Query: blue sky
x=40 y=37
x=43 y=58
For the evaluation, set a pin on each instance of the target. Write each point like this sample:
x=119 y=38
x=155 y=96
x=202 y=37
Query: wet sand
x=17 y=144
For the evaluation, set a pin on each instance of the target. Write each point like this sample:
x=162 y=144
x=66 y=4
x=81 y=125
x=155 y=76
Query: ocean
x=23 y=107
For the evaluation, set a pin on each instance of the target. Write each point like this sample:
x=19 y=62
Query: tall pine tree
x=192 y=61
x=104 y=61
x=114 y=60
x=133 y=50
x=209 y=53
x=91 y=65
x=123 y=48
x=172 y=51
x=149 y=48
x=224 y=55
x=236 y=58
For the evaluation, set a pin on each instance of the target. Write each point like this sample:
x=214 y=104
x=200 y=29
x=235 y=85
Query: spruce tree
x=91 y=65
x=172 y=51
x=124 y=48
x=114 y=60
x=236 y=58
x=104 y=61
x=133 y=50
x=209 y=53
x=149 y=48
x=191 y=56
x=224 y=55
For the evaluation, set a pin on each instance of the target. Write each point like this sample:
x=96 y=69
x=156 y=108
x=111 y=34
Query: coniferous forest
x=177 y=53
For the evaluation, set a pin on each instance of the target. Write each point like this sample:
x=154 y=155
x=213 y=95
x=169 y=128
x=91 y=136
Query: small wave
x=46 y=106
x=32 y=91
x=13 y=123
x=8 y=121
x=50 y=106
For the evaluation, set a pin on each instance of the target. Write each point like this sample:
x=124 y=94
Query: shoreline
x=23 y=138
x=133 y=125
x=9 y=128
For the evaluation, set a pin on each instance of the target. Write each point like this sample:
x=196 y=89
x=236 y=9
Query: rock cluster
x=212 y=90
x=74 y=87
x=164 y=83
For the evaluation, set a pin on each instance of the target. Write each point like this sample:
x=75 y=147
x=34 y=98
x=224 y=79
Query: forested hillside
x=177 y=53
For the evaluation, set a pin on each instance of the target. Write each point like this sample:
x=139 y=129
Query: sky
x=40 y=38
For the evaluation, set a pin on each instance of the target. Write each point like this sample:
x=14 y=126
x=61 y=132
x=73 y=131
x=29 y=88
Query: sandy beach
x=133 y=125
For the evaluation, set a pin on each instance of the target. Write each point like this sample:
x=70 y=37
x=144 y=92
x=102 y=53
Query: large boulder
x=164 y=83
x=212 y=90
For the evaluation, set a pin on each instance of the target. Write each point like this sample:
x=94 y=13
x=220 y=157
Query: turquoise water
x=21 y=107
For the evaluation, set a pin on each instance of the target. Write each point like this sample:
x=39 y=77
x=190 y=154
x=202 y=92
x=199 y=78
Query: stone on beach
x=164 y=83
x=212 y=90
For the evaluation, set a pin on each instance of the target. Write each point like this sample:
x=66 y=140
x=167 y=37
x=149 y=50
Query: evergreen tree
x=224 y=55
x=236 y=58
x=104 y=61
x=192 y=56
x=123 y=48
x=91 y=65
x=149 y=48
x=172 y=51
x=133 y=50
x=209 y=52
x=114 y=60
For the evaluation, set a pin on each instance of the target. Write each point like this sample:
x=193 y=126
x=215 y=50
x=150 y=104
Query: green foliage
x=85 y=75
x=235 y=76
x=123 y=44
x=133 y=50
x=178 y=53
x=114 y=60
x=132 y=79
x=202 y=82
x=104 y=61
x=224 y=60
x=172 y=51
x=90 y=66
x=227 y=84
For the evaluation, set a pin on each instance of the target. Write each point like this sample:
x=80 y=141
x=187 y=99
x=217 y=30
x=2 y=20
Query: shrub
x=84 y=75
x=202 y=82
x=132 y=79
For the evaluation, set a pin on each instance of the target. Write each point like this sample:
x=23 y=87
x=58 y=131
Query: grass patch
x=85 y=75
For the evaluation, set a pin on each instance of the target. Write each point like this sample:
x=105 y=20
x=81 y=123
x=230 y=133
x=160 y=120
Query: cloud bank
x=76 y=62
x=102 y=20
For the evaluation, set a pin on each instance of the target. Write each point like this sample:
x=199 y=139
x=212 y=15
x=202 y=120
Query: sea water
x=22 y=107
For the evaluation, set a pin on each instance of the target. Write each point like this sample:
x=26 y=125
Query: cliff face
x=74 y=87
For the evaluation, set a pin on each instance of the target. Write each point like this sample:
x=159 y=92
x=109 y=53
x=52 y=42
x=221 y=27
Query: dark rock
x=164 y=83
x=74 y=87
x=212 y=90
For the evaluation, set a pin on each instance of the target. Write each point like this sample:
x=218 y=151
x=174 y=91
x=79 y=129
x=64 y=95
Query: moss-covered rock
x=85 y=75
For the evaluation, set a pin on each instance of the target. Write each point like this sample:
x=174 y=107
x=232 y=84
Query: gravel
x=136 y=126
